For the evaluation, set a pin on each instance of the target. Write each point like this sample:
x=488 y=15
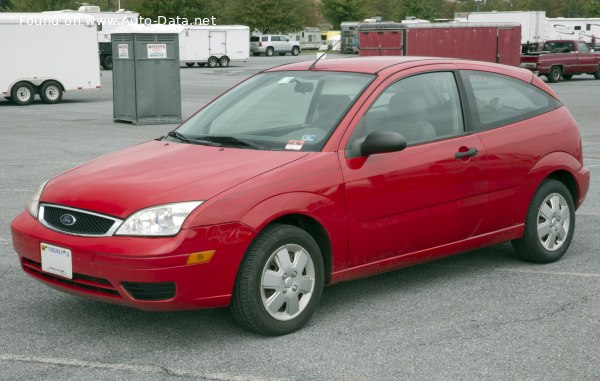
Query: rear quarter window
x=254 y=39
x=497 y=100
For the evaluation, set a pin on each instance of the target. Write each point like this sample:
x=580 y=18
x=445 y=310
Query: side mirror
x=382 y=142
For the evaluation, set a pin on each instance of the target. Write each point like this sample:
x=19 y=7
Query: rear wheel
x=549 y=224
x=22 y=93
x=212 y=62
x=107 y=63
x=189 y=64
x=224 y=61
x=295 y=51
x=51 y=92
x=269 y=51
x=555 y=74
x=280 y=281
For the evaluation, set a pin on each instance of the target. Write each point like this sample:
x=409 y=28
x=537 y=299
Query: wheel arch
x=568 y=180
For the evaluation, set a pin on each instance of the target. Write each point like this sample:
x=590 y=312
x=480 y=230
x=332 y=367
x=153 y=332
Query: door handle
x=470 y=152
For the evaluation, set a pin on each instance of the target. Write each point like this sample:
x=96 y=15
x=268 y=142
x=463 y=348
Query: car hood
x=156 y=173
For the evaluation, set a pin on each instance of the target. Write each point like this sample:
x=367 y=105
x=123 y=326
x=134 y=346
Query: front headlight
x=162 y=220
x=34 y=205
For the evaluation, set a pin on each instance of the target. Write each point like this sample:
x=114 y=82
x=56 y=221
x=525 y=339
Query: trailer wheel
x=295 y=51
x=269 y=51
x=107 y=63
x=201 y=64
x=22 y=93
x=189 y=64
x=555 y=74
x=212 y=62
x=597 y=73
x=224 y=61
x=51 y=92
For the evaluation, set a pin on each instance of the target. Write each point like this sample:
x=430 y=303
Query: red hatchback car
x=311 y=174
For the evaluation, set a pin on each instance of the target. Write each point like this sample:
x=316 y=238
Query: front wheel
x=295 y=51
x=280 y=281
x=22 y=93
x=212 y=62
x=51 y=92
x=555 y=74
x=549 y=224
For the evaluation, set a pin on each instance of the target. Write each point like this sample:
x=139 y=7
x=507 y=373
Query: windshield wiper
x=187 y=139
x=233 y=141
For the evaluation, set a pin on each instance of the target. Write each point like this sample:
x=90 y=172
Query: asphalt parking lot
x=479 y=315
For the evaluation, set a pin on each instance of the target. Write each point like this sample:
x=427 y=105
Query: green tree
x=272 y=16
x=592 y=8
x=41 y=5
x=338 y=11
x=5 y=5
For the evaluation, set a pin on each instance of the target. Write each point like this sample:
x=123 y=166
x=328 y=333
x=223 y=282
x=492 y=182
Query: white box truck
x=47 y=54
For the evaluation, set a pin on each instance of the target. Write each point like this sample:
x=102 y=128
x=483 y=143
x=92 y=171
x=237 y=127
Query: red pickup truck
x=563 y=58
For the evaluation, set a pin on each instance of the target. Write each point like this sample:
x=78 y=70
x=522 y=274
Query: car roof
x=372 y=65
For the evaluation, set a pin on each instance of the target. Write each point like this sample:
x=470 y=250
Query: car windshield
x=285 y=110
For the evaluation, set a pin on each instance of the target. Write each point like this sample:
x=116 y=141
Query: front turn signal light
x=200 y=257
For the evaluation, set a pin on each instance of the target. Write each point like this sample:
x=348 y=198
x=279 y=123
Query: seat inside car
x=408 y=116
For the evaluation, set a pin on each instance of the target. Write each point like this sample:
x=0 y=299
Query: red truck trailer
x=491 y=42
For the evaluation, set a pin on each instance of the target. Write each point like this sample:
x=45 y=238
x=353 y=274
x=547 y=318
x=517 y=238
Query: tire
x=107 y=63
x=212 y=62
x=189 y=64
x=51 y=92
x=201 y=64
x=224 y=61
x=555 y=74
x=268 y=296
x=295 y=51
x=551 y=212
x=22 y=93
x=269 y=52
x=597 y=73
x=567 y=76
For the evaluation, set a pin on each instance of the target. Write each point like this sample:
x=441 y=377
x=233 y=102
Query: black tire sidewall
x=537 y=252
x=272 y=238
x=552 y=75
x=14 y=91
x=43 y=92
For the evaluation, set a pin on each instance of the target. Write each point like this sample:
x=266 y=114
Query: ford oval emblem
x=68 y=219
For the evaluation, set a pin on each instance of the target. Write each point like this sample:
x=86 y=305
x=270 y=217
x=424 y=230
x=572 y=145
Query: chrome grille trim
x=116 y=221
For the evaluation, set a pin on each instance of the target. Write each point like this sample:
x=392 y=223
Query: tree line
x=284 y=16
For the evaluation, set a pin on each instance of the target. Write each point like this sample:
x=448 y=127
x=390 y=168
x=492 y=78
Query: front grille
x=85 y=223
x=150 y=291
x=79 y=282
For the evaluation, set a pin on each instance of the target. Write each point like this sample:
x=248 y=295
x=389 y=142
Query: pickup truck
x=563 y=59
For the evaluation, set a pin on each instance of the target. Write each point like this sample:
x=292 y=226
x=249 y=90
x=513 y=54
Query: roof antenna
x=312 y=66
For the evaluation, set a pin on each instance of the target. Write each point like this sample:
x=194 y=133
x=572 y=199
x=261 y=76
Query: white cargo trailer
x=532 y=23
x=47 y=54
x=210 y=45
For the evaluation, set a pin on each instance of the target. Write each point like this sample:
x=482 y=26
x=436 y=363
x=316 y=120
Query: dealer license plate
x=57 y=260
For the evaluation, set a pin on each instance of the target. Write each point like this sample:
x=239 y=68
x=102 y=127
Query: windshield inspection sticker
x=294 y=145
x=309 y=138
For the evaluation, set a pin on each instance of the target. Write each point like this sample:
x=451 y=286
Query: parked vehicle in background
x=349 y=36
x=309 y=38
x=490 y=42
x=47 y=54
x=533 y=24
x=271 y=44
x=310 y=174
x=108 y=22
x=205 y=45
x=563 y=59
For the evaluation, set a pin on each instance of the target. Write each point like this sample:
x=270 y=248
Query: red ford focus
x=311 y=174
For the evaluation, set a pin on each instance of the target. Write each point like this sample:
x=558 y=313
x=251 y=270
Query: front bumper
x=104 y=268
